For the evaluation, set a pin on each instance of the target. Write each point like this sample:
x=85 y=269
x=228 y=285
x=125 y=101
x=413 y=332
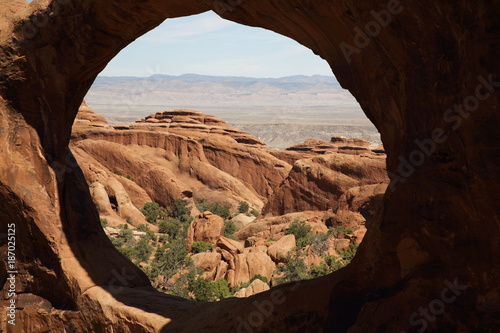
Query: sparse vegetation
x=340 y=231
x=254 y=212
x=104 y=222
x=199 y=247
x=167 y=261
x=302 y=232
x=229 y=229
x=216 y=208
x=204 y=290
x=348 y=254
x=293 y=269
x=153 y=212
x=243 y=207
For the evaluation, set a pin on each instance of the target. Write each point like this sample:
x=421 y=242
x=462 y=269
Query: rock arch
x=426 y=75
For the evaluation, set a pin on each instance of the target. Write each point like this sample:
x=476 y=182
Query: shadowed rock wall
x=425 y=73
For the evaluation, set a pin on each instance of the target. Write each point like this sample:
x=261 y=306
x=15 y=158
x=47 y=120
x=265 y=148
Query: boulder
x=208 y=227
x=230 y=245
x=207 y=261
x=279 y=250
x=257 y=286
x=247 y=265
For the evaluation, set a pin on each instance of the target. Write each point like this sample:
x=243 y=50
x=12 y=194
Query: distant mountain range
x=281 y=111
x=194 y=91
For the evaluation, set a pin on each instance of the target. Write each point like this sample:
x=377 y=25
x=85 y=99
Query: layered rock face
x=171 y=155
x=317 y=183
x=425 y=73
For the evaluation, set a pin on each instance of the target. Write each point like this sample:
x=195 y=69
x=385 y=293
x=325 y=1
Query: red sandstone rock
x=438 y=225
x=208 y=227
x=281 y=249
x=317 y=183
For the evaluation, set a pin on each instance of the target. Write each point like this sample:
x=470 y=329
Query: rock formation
x=425 y=73
x=183 y=154
x=207 y=228
x=317 y=183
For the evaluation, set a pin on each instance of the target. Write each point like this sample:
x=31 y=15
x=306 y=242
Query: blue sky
x=207 y=44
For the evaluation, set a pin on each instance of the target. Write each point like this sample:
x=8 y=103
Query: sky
x=209 y=45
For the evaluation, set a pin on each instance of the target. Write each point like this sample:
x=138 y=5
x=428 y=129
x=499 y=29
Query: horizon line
x=228 y=76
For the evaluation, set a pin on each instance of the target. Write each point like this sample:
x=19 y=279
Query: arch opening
x=418 y=241
x=317 y=250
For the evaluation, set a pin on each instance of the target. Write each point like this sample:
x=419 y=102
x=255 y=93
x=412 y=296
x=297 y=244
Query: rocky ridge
x=260 y=244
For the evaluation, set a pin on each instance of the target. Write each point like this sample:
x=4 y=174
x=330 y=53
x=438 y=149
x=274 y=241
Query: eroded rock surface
x=439 y=223
x=171 y=155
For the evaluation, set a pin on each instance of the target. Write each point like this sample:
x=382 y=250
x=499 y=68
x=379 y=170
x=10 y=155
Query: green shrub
x=221 y=288
x=127 y=252
x=293 y=269
x=205 y=290
x=128 y=219
x=243 y=207
x=163 y=239
x=328 y=265
x=340 y=231
x=153 y=212
x=123 y=226
x=126 y=234
x=203 y=205
x=229 y=228
x=302 y=232
x=254 y=212
x=246 y=284
x=319 y=270
x=117 y=242
x=348 y=254
x=173 y=228
x=259 y=277
x=170 y=259
x=218 y=209
x=104 y=222
x=181 y=211
x=142 y=227
x=199 y=247
x=142 y=251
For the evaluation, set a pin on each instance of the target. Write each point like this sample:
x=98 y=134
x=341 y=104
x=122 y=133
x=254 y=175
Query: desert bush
x=142 y=250
x=199 y=247
x=173 y=228
x=229 y=229
x=216 y=208
x=348 y=254
x=203 y=205
x=153 y=212
x=204 y=290
x=328 y=265
x=243 y=207
x=221 y=210
x=302 y=232
x=255 y=212
x=293 y=269
x=340 y=231
x=126 y=234
x=116 y=241
x=142 y=227
x=104 y=222
x=181 y=211
x=170 y=258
